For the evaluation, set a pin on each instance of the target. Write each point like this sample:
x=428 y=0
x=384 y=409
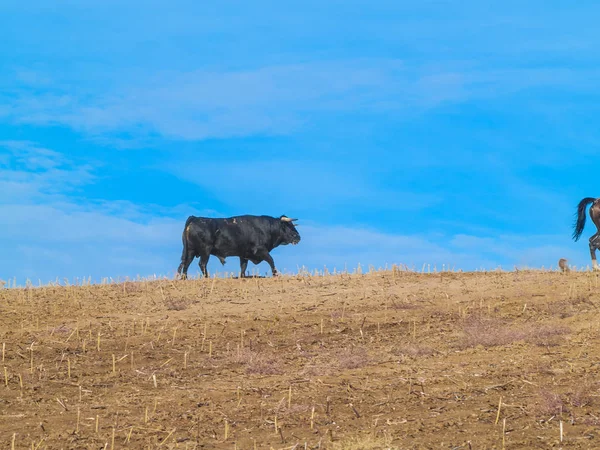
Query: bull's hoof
x=596 y=268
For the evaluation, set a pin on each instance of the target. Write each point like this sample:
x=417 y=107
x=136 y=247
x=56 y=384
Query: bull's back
x=235 y=237
x=232 y=236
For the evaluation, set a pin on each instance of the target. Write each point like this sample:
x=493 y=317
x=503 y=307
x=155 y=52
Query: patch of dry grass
x=353 y=358
x=177 y=304
x=259 y=363
x=549 y=404
x=331 y=363
x=414 y=350
x=365 y=442
x=492 y=332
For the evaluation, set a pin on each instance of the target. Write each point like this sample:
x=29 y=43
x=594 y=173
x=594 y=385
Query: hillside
x=380 y=360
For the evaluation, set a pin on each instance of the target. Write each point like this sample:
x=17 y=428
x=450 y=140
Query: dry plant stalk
x=166 y=362
x=498 y=414
x=128 y=438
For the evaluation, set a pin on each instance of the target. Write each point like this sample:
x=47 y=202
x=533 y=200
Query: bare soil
x=380 y=360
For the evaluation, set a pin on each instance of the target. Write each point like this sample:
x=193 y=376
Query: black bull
x=251 y=238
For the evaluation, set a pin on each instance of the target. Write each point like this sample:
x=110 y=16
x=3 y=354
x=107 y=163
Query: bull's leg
x=243 y=267
x=594 y=245
x=186 y=260
x=265 y=256
x=203 y=263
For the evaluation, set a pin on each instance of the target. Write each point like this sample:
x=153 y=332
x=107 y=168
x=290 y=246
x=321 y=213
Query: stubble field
x=387 y=359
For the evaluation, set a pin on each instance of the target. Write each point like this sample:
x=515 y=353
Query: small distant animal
x=580 y=224
x=562 y=264
x=249 y=237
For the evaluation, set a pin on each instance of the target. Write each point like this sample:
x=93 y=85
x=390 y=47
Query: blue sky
x=459 y=133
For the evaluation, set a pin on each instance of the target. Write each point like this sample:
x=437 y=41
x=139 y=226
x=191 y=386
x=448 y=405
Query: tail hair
x=580 y=217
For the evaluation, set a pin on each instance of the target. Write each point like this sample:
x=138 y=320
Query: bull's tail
x=184 y=237
x=580 y=223
x=185 y=262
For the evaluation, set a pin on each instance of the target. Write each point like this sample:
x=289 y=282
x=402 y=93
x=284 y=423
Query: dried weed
x=549 y=404
x=177 y=304
x=364 y=442
x=414 y=350
x=491 y=332
x=259 y=363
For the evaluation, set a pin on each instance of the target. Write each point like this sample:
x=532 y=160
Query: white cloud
x=30 y=172
x=202 y=104
x=271 y=100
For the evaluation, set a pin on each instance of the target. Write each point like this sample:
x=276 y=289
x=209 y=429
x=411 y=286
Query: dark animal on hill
x=251 y=238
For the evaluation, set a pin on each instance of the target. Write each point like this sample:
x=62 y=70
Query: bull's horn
x=286 y=219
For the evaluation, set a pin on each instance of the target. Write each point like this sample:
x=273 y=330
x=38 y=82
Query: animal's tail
x=184 y=237
x=580 y=223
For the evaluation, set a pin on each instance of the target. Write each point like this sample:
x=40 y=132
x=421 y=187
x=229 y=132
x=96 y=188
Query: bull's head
x=290 y=234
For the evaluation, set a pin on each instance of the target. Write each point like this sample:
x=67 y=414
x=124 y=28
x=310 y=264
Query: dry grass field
x=386 y=359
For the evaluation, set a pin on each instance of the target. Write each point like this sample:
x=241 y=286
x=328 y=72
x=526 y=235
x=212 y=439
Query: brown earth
x=379 y=360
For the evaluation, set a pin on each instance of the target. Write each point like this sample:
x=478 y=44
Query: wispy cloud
x=29 y=171
x=201 y=104
x=271 y=100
